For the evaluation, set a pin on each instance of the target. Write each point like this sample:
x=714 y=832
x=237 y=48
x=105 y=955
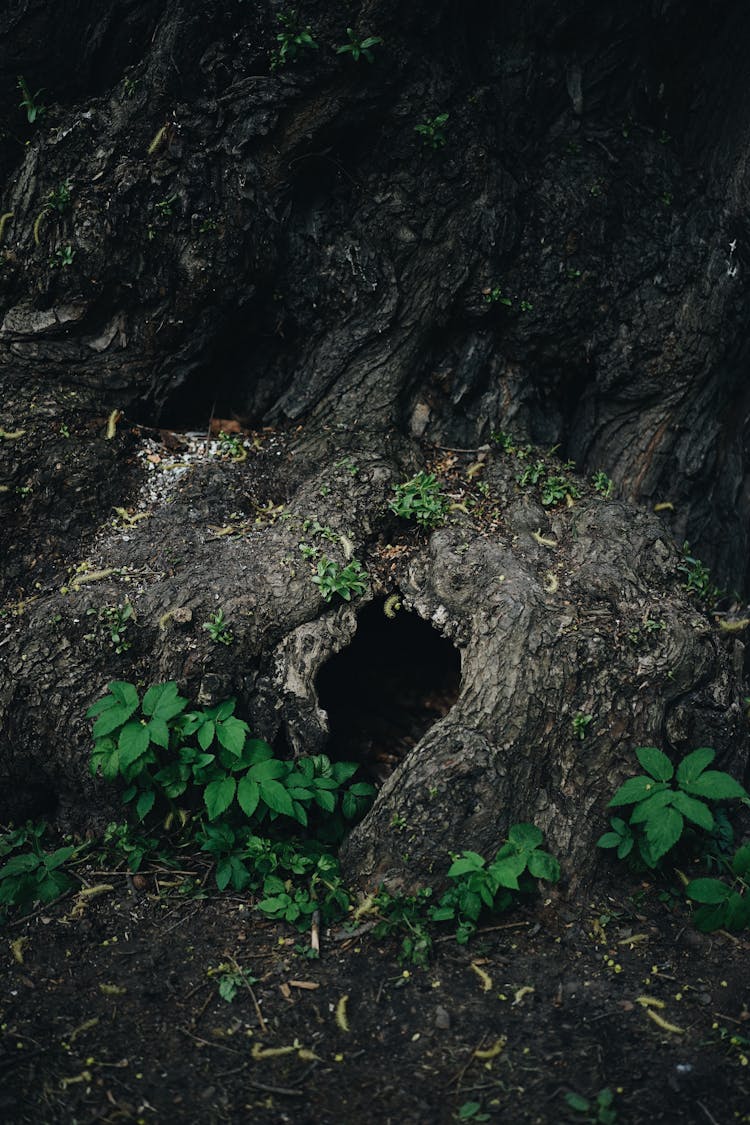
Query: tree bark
x=282 y=246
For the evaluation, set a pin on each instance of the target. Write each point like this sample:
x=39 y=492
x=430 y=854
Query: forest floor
x=111 y=1011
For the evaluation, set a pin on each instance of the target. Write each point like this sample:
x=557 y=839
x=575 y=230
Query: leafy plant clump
x=359 y=48
x=293 y=39
x=432 y=131
x=420 y=499
x=724 y=906
x=332 y=578
x=206 y=760
x=661 y=809
x=35 y=109
x=218 y=629
x=31 y=874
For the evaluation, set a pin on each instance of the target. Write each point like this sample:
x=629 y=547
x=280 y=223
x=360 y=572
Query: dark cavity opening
x=386 y=689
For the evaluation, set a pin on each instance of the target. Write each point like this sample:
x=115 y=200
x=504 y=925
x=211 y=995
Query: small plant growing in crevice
x=59 y=198
x=293 y=39
x=30 y=102
x=697 y=577
x=420 y=499
x=346 y=581
x=359 y=48
x=432 y=131
x=602 y=484
x=218 y=629
x=63 y=257
x=597 y=1111
x=114 y=621
x=31 y=874
x=722 y=905
x=580 y=725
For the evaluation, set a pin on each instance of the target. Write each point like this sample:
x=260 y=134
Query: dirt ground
x=110 y=1012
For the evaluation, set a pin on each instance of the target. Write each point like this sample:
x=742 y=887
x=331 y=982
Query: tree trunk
x=371 y=290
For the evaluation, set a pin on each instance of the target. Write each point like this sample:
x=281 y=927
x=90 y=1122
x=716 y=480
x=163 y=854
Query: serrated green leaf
x=19 y=864
x=270 y=770
x=635 y=789
x=232 y=733
x=542 y=865
x=652 y=806
x=223 y=873
x=133 y=742
x=110 y=720
x=663 y=832
x=145 y=803
x=505 y=873
x=577 y=1102
x=163 y=701
x=655 y=762
x=709 y=891
x=349 y=806
x=626 y=847
x=248 y=795
x=342 y=771
x=694 y=810
x=467 y=862
x=325 y=800
x=300 y=813
x=124 y=693
x=609 y=840
x=717 y=785
x=276 y=797
x=741 y=861
x=708 y=918
x=736 y=913
x=525 y=836
x=694 y=764
x=325 y=783
x=362 y=789
x=205 y=734
x=158 y=732
x=100 y=705
x=218 y=796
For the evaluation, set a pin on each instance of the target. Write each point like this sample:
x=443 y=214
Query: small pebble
x=442 y=1018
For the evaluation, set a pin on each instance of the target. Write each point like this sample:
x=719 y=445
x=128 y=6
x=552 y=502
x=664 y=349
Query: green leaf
x=708 y=918
x=635 y=789
x=218 y=796
x=609 y=840
x=270 y=770
x=709 y=891
x=626 y=847
x=145 y=803
x=276 y=797
x=342 y=771
x=224 y=710
x=694 y=764
x=133 y=742
x=525 y=836
x=248 y=795
x=163 y=701
x=737 y=913
x=124 y=693
x=205 y=734
x=741 y=861
x=232 y=734
x=694 y=810
x=652 y=806
x=542 y=865
x=325 y=800
x=655 y=762
x=158 y=732
x=19 y=864
x=362 y=789
x=505 y=872
x=112 y=719
x=717 y=785
x=577 y=1102
x=663 y=832
x=469 y=861
x=258 y=750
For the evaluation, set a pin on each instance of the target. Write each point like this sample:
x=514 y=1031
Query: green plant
x=471 y=1111
x=480 y=885
x=30 y=102
x=59 y=198
x=207 y=759
x=359 y=47
x=292 y=40
x=64 y=256
x=660 y=810
x=218 y=628
x=557 y=488
x=580 y=723
x=641 y=634
x=724 y=906
x=332 y=578
x=114 y=621
x=230 y=978
x=495 y=295
x=697 y=577
x=33 y=875
x=420 y=499
x=602 y=484
x=122 y=842
x=598 y=1112
x=165 y=207
x=432 y=131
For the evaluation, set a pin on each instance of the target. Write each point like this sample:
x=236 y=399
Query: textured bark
x=281 y=246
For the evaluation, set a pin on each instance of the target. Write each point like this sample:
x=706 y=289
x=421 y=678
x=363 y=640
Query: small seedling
x=598 y=1112
x=59 y=197
x=580 y=724
x=494 y=295
x=332 y=578
x=471 y=1111
x=432 y=131
x=230 y=445
x=34 y=108
x=359 y=47
x=292 y=40
x=64 y=256
x=420 y=499
x=697 y=577
x=164 y=207
x=218 y=629
x=114 y=620
x=230 y=978
x=602 y=484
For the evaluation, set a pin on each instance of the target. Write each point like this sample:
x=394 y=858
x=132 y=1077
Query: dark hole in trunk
x=386 y=689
